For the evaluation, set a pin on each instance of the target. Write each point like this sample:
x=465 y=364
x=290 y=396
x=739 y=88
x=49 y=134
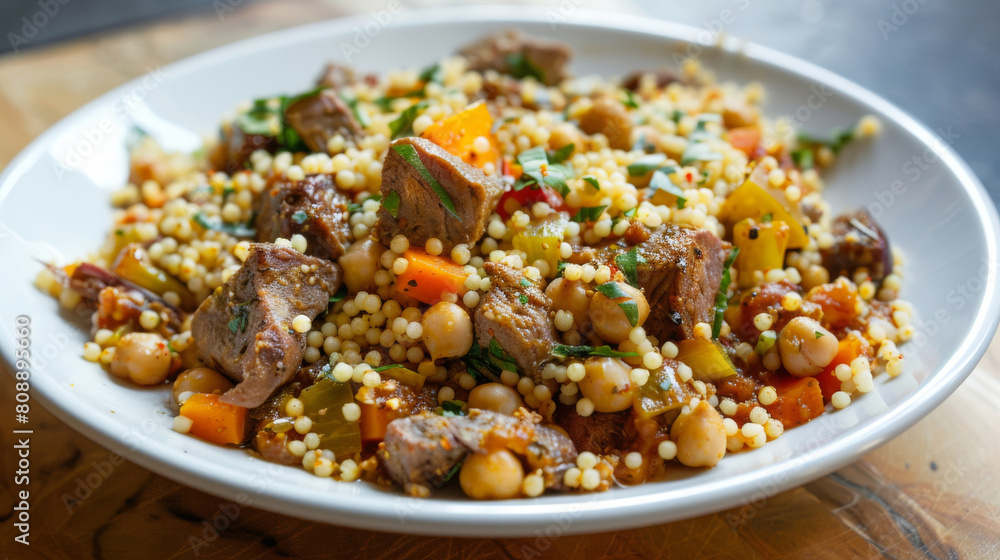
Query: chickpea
x=806 y=347
x=609 y=319
x=607 y=384
x=360 y=263
x=700 y=436
x=447 y=330
x=496 y=475
x=142 y=357
x=569 y=296
x=200 y=380
x=496 y=397
x=565 y=134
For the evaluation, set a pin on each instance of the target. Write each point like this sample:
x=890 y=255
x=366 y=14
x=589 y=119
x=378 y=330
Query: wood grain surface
x=933 y=492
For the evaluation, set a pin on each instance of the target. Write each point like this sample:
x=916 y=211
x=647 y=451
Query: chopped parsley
x=586 y=351
x=403 y=125
x=628 y=262
x=433 y=73
x=216 y=224
x=588 y=214
x=839 y=137
x=267 y=118
x=538 y=171
x=487 y=363
x=359 y=114
x=629 y=100
x=240 y=316
x=358 y=206
x=562 y=154
x=818 y=334
x=520 y=67
x=648 y=163
x=340 y=294
x=766 y=218
x=613 y=290
x=721 y=300
x=523 y=299
x=803 y=158
x=391 y=203
x=409 y=153
x=592 y=181
x=660 y=181
x=452 y=408
x=699 y=151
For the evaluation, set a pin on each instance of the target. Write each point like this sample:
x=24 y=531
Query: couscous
x=492 y=271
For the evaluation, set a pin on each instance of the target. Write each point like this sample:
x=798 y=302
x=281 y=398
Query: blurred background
x=940 y=61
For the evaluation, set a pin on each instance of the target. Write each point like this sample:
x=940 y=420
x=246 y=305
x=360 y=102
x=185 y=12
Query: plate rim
x=510 y=519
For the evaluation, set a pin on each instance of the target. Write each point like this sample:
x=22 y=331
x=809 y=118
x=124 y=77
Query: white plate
x=52 y=207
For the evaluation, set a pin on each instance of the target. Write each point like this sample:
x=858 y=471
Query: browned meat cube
x=239 y=145
x=662 y=78
x=336 y=76
x=610 y=118
x=858 y=242
x=421 y=214
x=244 y=330
x=599 y=433
x=421 y=451
x=512 y=52
x=318 y=118
x=516 y=313
x=680 y=278
x=312 y=207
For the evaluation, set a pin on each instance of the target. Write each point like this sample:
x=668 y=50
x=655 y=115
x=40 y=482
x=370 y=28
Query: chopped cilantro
x=391 y=203
x=409 y=153
x=592 y=181
x=216 y=224
x=721 y=300
x=586 y=351
x=588 y=214
x=628 y=263
x=403 y=125
x=613 y=290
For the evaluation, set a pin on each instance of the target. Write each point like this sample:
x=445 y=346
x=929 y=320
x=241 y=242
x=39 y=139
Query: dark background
x=937 y=59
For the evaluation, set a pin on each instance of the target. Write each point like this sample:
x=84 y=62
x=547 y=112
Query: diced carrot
x=374 y=421
x=799 y=401
x=215 y=421
x=745 y=138
x=457 y=134
x=427 y=277
x=847 y=350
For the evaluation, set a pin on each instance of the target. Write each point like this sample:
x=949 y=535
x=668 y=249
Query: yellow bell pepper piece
x=762 y=247
x=706 y=358
x=749 y=200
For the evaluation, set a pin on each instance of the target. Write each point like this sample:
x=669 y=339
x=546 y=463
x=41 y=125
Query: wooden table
x=933 y=492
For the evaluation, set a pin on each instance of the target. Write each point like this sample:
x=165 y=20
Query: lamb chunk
x=318 y=118
x=312 y=207
x=244 y=329
x=421 y=452
x=600 y=433
x=858 y=242
x=421 y=214
x=239 y=145
x=336 y=76
x=662 y=78
x=512 y=52
x=680 y=278
x=609 y=117
x=516 y=314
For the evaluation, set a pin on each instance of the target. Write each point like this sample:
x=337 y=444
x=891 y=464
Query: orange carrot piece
x=215 y=421
x=427 y=277
x=457 y=134
x=839 y=303
x=374 y=421
x=799 y=401
x=847 y=350
x=745 y=138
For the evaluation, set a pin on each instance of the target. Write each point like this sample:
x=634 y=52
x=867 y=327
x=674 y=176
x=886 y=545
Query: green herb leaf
x=803 y=158
x=520 y=67
x=500 y=357
x=240 y=315
x=300 y=216
x=523 y=299
x=560 y=268
x=403 y=125
x=433 y=73
x=593 y=182
x=767 y=217
x=358 y=206
x=629 y=100
x=721 y=300
x=453 y=408
x=840 y=137
x=586 y=351
x=216 y=224
x=677 y=115
x=340 y=294
x=765 y=342
x=660 y=181
x=613 y=290
x=818 y=334
x=454 y=470
x=409 y=153
x=385 y=103
x=645 y=164
x=628 y=263
x=699 y=151
x=391 y=203
x=360 y=114
x=588 y=214
x=562 y=154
